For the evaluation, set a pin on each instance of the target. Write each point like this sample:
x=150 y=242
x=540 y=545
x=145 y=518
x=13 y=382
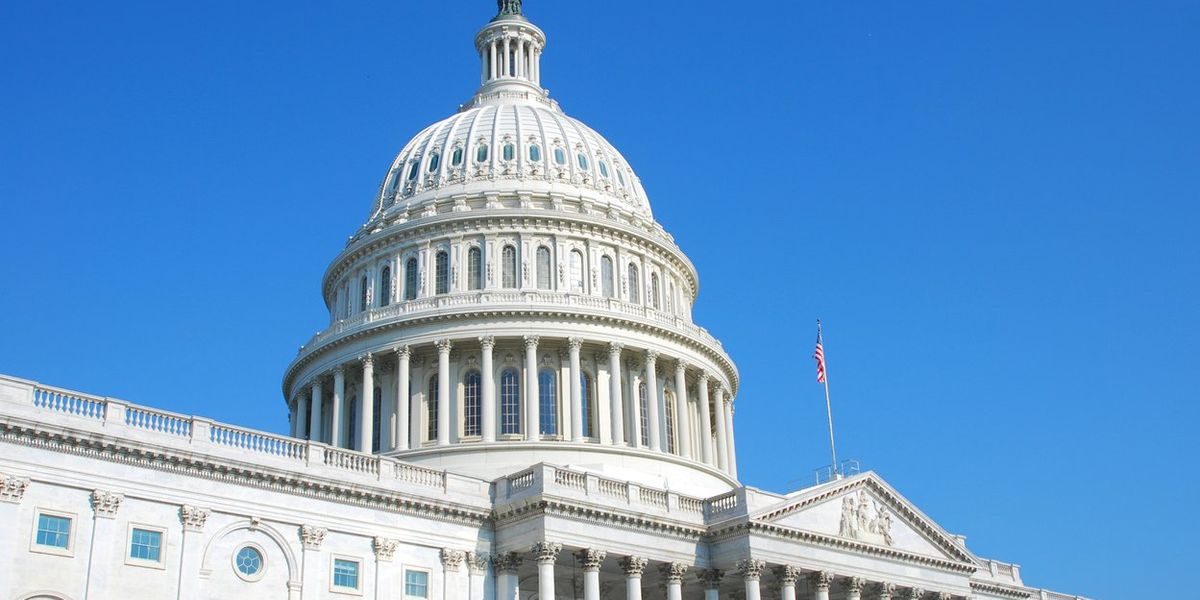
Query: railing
x=162 y=422
x=521 y=481
x=613 y=489
x=692 y=505
x=352 y=461
x=69 y=402
x=255 y=441
x=570 y=479
x=551 y=479
x=654 y=497
x=420 y=475
x=723 y=503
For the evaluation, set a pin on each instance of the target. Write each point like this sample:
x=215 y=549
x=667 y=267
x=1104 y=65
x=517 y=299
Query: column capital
x=546 y=552
x=312 y=537
x=487 y=342
x=681 y=366
x=710 y=578
x=787 y=574
x=508 y=562
x=443 y=346
x=854 y=585
x=651 y=358
x=575 y=343
x=633 y=566
x=384 y=548
x=403 y=352
x=884 y=591
x=615 y=348
x=820 y=579
x=945 y=596
x=106 y=504
x=193 y=517
x=590 y=558
x=12 y=488
x=914 y=593
x=315 y=382
x=703 y=377
x=339 y=370
x=477 y=563
x=452 y=560
x=368 y=360
x=751 y=568
x=673 y=571
x=531 y=342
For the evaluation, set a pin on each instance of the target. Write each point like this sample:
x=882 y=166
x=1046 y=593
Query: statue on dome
x=509 y=7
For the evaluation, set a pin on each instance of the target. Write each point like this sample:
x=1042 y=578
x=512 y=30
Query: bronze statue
x=509 y=7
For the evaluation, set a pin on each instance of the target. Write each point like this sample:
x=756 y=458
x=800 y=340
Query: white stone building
x=510 y=402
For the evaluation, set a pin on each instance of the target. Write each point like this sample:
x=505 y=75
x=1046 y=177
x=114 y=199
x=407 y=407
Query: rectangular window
x=416 y=584
x=345 y=574
x=145 y=544
x=53 y=531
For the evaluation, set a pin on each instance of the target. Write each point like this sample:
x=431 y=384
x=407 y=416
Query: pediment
x=864 y=510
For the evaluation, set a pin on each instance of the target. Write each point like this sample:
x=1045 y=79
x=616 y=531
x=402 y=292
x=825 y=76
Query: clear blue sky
x=992 y=205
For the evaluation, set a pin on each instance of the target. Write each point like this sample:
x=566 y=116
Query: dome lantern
x=510 y=54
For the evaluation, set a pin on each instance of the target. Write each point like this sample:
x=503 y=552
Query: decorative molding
x=786 y=574
x=633 y=566
x=384 y=548
x=751 y=568
x=590 y=558
x=673 y=572
x=193 y=517
x=452 y=560
x=1002 y=590
x=710 y=578
x=106 y=504
x=546 y=552
x=312 y=537
x=12 y=488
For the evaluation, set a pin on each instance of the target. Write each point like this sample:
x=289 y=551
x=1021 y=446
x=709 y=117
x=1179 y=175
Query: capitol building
x=510 y=401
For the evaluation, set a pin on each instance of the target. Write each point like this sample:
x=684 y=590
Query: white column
x=673 y=575
x=385 y=578
x=722 y=435
x=339 y=393
x=191 y=548
x=616 y=401
x=819 y=582
x=403 y=376
x=855 y=585
x=652 y=400
x=711 y=580
x=591 y=559
x=312 y=565
x=683 y=427
x=506 y=68
x=443 y=399
x=706 y=441
x=477 y=569
x=508 y=585
x=366 y=405
x=316 y=411
x=633 y=567
x=787 y=575
x=300 y=418
x=98 y=580
x=487 y=344
x=491 y=71
x=546 y=554
x=732 y=449
x=452 y=561
x=574 y=344
x=750 y=570
x=520 y=58
x=10 y=510
x=532 y=425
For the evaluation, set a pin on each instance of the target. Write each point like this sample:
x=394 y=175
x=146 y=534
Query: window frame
x=472 y=422
x=161 y=563
x=545 y=269
x=509 y=267
x=516 y=405
x=359 y=575
x=608 y=278
x=428 y=573
x=412 y=278
x=431 y=412
x=548 y=399
x=262 y=557
x=71 y=517
x=385 y=285
x=474 y=268
x=441 y=272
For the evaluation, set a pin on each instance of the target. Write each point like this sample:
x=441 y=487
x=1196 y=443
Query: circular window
x=248 y=563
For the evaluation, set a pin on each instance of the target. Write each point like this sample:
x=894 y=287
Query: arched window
x=583 y=161
x=620 y=177
x=412 y=171
x=472 y=420
x=385 y=286
x=644 y=414
x=376 y=420
x=585 y=389
x=475 y=269
x=481 y=153
x=510 y=151
x=548 y=402
x=410 y=279
x=442 y=272
x=352 y=422
x=535 y=153
x=577 y=271
x=635 y=293
x=654 y=290
x=603 y=169
x=606 y=277
x=456 y=157
x=362 y=293
x=510 y=402
x=431 y=412
x=508 y=259
x=543 y=268
x=560 y=156
x=671 y=297
x=435 y=161
x=669 y=399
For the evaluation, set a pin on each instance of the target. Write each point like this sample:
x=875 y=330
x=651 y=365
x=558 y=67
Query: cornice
x=150 y=456
x=839 y=543
x=1003 y=590
x=585 y=512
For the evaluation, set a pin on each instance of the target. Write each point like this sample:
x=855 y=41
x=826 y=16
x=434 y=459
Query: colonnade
x=685 y=411
x=784 y=578
x=511 y=56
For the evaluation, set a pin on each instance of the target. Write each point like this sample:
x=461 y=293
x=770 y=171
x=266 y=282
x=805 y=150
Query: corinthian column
x=443 y=401
x=508 y=585
x=706 y=453
x=487 y=344
x=819 y=582
x=574 y=344
x=683 y=429
x=339 y=394
x=314 y=419
x=711 y=580
x=653 y=404
x=615 y=399
x=787 y=575
x=591 y=560
x=733 y=470
x=366 y=408
x=546 y=553
x=885 y=591
x=633 y=567
x=751 y=570
x=452 y=561
x=533 y=428
x=722 y=434
x=673 y=574
x=402 y=397
x=854 y=587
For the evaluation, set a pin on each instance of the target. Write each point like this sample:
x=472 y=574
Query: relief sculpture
x=866 y=520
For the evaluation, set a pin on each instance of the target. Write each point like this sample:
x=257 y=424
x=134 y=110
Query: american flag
x=819 y=354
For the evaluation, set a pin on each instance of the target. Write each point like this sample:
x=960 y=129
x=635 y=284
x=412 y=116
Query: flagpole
x=828 y=407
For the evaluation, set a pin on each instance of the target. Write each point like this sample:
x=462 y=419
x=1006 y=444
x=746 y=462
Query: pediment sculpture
x=866 y=520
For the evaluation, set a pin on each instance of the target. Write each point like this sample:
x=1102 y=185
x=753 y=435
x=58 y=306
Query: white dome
x=509 y=144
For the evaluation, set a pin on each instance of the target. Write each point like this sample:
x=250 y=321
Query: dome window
x=481 y=153
x=560 y=157
x=621 y=177
x=535 y=153
x=583 y=161
x=510 y=152
x=603 y=169
x=435 y=161
x=412 y=171
x=456 y=158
